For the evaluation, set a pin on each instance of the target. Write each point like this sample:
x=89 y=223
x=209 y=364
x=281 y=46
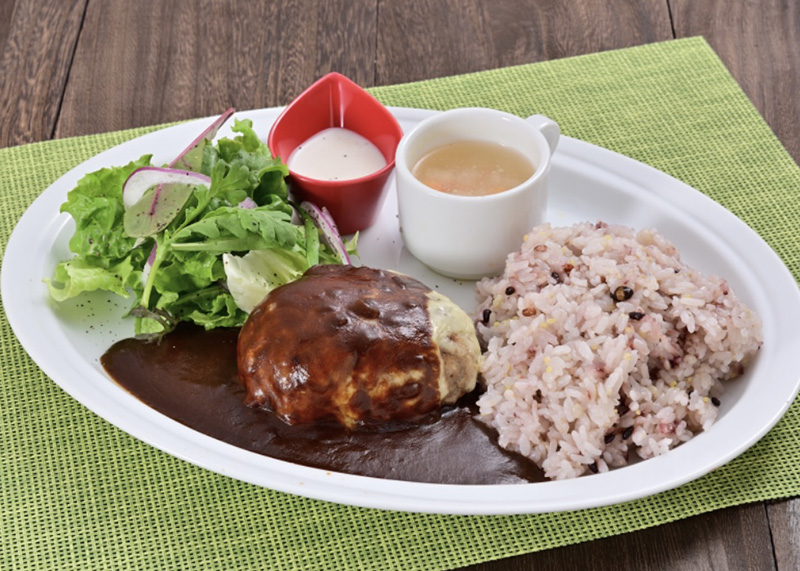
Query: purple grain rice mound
x=603 y=346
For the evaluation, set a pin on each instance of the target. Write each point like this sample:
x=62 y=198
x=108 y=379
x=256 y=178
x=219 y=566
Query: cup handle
x=548 y=128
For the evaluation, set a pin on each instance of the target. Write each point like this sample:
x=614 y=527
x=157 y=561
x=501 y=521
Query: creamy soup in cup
x=486 y=189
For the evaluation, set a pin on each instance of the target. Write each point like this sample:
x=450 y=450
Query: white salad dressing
x=336 y=154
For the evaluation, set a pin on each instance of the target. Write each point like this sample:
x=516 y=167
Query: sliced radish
x=154 y=196
x=167 y=189
x=144 y=178
x=191 y=159
x=328 y=229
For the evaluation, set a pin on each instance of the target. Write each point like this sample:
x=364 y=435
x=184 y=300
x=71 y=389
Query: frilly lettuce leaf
x=76 y=276
x=96 y=206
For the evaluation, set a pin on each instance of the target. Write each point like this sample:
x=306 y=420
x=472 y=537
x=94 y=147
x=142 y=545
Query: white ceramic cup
x=469 y=237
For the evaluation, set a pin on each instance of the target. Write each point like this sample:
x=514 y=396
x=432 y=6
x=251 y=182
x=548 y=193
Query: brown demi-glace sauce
x=191 y=376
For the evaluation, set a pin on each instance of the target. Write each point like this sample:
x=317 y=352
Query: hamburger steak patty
x=357 y=346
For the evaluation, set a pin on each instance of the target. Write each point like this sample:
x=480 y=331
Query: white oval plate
x=587 y=183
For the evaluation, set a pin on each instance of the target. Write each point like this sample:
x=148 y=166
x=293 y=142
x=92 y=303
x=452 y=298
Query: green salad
x=203 y=239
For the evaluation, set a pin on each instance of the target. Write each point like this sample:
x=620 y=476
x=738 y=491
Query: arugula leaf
x=266 y=174
x=312 y=239
x=232 y=229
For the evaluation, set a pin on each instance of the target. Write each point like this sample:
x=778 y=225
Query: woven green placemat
x=76 y=493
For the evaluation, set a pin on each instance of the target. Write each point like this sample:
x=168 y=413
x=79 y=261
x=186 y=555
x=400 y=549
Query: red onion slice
x=328 y=229
x=247 y=203
x=149 y=264
x=151 y=258
x=192 y=160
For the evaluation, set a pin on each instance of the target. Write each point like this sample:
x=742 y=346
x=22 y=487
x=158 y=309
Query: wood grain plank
x=784 y=521
x=736 y=538
x=759 y=42
x=420 y=40
x=193 y=59
x=6 y=21
x=37 y=41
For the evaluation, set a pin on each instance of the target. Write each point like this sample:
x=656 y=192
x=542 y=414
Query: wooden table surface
x=75 y=67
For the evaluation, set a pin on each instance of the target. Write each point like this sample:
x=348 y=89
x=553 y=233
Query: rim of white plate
x=762 y=277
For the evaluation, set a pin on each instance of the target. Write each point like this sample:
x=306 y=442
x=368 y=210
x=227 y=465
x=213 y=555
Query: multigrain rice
x=602 y=345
